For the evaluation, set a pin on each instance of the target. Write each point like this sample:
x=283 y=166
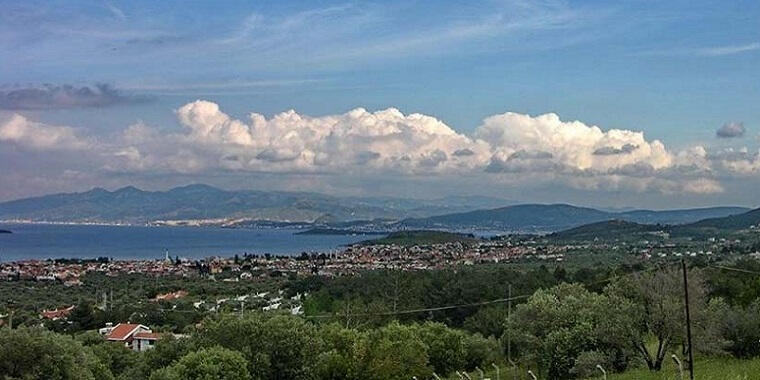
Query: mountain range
x=618 y=229
x=556 y=217
x=238 y=207
x=203 y=202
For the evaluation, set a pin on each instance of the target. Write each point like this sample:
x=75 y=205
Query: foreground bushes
x=254 y=346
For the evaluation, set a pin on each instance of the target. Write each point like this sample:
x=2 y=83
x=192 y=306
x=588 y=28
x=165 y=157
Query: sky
x=614 y=104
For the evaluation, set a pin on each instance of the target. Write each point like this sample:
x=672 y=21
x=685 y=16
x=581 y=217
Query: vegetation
x=707 y=369
x=609 y=229
x=562 y=323
x=422 y=237
x=739 y=221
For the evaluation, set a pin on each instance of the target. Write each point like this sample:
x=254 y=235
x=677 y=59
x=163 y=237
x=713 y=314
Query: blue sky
x=674 y=70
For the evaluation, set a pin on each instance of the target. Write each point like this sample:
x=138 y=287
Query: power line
x=473 y=304
x=446 y=307
x=615 y=276
x=422 y=310
x=747 y=271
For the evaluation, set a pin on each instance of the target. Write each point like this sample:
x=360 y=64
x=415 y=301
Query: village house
x=170 y=296
x=134 y=336
x=57 y=314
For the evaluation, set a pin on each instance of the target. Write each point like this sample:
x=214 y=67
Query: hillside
x=609 y=229
x=557 y=217
x=531 y=217
x=679 y=216
x=732 y=222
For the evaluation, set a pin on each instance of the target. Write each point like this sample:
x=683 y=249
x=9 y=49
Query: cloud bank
x=65 y=96
x=507 y=149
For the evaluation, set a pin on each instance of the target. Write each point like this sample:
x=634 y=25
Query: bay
x=42 y=241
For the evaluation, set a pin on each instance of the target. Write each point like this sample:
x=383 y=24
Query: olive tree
x=210 y=363
x=651 y=305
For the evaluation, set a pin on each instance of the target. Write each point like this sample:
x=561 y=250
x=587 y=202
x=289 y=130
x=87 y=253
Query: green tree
x=740 y=326
x=396 y=352
x=82 y=317
x=34 y=353
x=445 y=346
x=344 y=353
x=215 y=363
x=556 y=325
x=166 y=351
x=276 y=347
x=488 y=321
x=651 y=305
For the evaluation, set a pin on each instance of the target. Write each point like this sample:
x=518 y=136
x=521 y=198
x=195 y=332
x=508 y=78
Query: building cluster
x=350 y=260
x=69 y=272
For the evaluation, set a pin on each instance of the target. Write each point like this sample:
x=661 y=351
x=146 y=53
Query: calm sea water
x=38 y=241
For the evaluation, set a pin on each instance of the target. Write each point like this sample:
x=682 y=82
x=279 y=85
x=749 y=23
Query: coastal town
x=359 y=257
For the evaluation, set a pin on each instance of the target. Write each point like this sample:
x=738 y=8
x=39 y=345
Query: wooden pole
x=688 y=319
x=509 y=317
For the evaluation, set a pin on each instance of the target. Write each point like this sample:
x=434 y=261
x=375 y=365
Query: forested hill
x=556 y=217
x=609 y=229
x=739 y=221
x=621 y=229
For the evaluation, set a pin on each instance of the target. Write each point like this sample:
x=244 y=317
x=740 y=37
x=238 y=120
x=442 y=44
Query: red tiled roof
x=171 y=296
x=122 y=331
x=57 y=313
x=147 y=335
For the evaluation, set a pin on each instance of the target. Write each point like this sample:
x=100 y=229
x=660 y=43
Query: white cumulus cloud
x=24 y=132
x=511 y=149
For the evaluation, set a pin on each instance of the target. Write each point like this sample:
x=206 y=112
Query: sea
x=43 y=241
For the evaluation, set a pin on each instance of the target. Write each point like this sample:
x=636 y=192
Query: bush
x=35 y=353
x=585 y=364
x=210 y=363
x=741 y=328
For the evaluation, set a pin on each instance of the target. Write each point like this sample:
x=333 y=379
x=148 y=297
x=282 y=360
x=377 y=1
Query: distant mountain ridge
x=203 y=202
x=734 y=222
x=207 y=203
x=609 y=228
x=557 y=217
x=618 y=229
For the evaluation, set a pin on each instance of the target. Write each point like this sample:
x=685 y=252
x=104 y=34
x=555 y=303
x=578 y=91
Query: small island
x=5 y=231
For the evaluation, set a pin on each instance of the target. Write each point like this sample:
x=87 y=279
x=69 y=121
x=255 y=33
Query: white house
x=134 y=336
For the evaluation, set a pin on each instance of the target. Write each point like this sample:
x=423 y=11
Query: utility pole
x=10 y=314
x=688 y=319
x=509 y=322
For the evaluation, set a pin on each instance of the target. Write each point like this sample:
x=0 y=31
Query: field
x=706 y=369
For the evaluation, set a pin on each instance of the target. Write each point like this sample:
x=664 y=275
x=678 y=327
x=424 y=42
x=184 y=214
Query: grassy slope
x=705 y=369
